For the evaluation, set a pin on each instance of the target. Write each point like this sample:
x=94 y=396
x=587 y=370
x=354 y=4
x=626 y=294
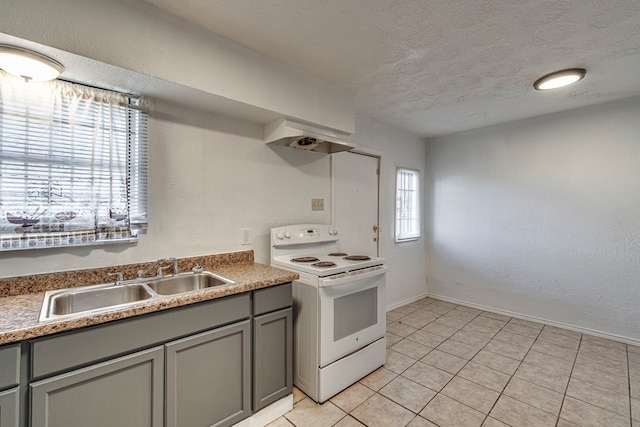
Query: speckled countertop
x=19 y=312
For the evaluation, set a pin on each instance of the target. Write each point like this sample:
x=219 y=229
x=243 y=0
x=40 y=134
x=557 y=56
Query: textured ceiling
x=435 y=67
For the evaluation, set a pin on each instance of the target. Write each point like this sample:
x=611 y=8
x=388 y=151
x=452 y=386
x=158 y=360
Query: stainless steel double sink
x=92 y=299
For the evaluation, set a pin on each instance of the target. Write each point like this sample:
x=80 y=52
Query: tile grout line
x=604 y=388
x=466 y=363
x=510 y=376
x=435 y=348
x=475 y=354
x=626 y=347
x=437 y=392
x=416 y=414
x=501 y=393
x=573 y=365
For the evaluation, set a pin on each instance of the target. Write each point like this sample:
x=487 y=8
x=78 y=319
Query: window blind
x=137 y=163
x=407 y=205
x=72 y=165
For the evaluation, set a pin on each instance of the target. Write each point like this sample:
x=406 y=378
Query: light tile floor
x=450 y=365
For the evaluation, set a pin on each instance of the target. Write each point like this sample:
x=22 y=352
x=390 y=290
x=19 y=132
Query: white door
x=355 y=201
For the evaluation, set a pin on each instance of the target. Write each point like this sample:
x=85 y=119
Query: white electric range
x=339 y=308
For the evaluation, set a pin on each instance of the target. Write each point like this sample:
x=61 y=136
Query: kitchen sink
x=93 y=299
x=187 y=282
x=96 y=297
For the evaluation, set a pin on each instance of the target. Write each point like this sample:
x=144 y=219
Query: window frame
x=135 y=165
x=416 y=207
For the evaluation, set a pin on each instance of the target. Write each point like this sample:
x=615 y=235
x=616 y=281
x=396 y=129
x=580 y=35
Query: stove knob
x=287 y=234
x=279 y=235
x=335 y=232
x=332 y=231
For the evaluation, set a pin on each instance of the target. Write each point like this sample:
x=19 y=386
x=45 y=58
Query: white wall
x=212 y=174
x=139 y=37
x=406 y=279
x=542 y=218
x=209 y=176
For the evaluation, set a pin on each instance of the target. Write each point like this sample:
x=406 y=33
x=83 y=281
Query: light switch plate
x=317 y=204
x=245 y=236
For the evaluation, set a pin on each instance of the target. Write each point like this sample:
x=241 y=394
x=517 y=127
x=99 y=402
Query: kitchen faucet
x=173 y=260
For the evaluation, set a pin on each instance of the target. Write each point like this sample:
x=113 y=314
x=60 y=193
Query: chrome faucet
x=119 y=277
x=173 y=260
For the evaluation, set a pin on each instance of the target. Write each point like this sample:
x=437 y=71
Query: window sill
x=130 y=240
x=408 y=239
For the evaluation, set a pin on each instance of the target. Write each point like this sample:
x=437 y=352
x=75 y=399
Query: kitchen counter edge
x=19 y=320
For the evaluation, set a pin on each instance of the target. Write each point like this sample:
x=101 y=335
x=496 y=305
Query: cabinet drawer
x=74 y=349
x=9 y=366
x=271 y=299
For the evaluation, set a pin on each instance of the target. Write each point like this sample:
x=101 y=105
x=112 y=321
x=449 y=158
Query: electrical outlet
x=317 y=204
x=245 y=236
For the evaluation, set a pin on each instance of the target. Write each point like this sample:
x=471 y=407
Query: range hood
x=287 y=133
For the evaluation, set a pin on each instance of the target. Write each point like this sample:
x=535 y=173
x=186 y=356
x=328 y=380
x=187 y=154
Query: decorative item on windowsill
x=25 y=219
x=117 y=215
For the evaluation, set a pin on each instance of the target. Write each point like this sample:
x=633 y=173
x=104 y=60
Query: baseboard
x=406 y=302
x=268 y=414
x=588 y=331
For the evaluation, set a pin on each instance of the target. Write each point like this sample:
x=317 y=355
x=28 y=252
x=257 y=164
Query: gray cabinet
x=208 y=377
x=125 y=392
x=9 y=407
x=51 y=355
x=9 y=366
x=272 y=345
x=200 y=360
x=9 y=380
x=272 y=352
x=207 y=364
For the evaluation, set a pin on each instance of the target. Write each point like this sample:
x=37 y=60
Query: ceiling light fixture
x=28 y=64
x=560 y=79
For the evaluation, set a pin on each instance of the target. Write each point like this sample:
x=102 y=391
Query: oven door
x=352 y=312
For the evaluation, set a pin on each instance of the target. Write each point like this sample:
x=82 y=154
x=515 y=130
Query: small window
x=407 y=205
x=73 y=165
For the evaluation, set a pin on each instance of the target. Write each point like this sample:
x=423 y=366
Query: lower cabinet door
x=272 y=359
x=208 y=377
x=127 y=391
x=9 y=408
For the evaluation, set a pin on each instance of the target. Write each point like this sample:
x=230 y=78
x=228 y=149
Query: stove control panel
x=303 y=234
x=281 y=235
x=309 y=232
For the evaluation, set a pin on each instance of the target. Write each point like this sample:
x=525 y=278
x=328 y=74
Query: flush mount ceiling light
x=560 y=79
x=28 y=64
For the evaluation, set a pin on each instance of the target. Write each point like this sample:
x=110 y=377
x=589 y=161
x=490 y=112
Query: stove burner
x=357 y=258
x=337 y=254
x=305 y=259
x=324 y=264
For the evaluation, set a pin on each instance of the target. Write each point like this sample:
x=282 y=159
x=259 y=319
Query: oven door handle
x=342 y=279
